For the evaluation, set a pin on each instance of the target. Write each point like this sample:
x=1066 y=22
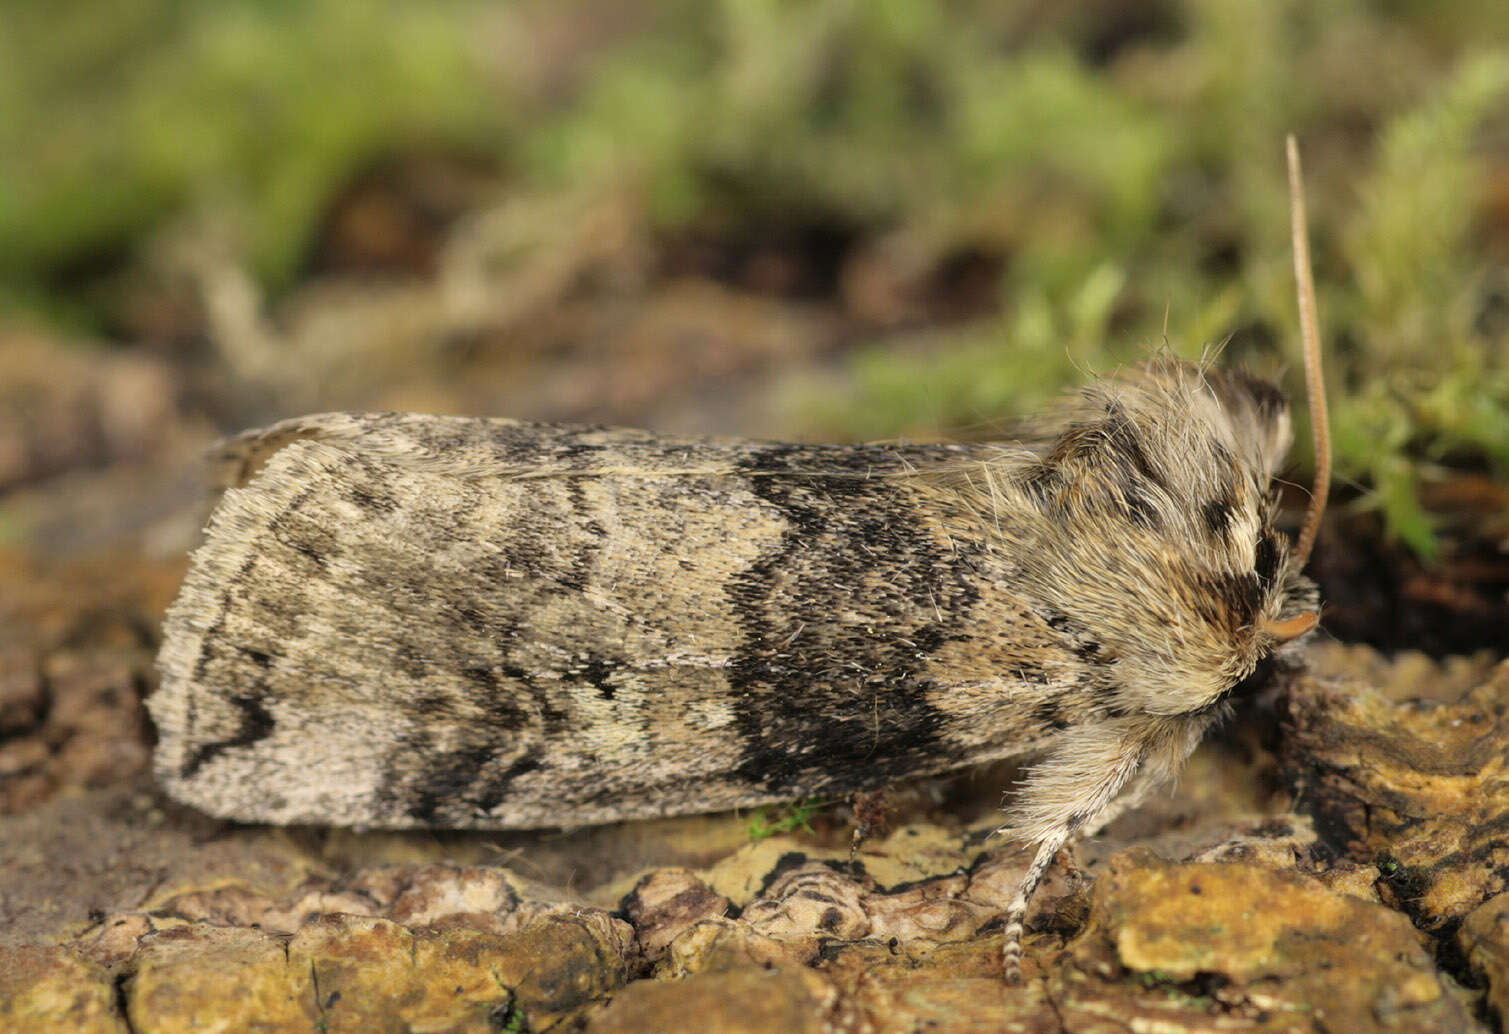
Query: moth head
x=1262 y=603
x=1158 y=545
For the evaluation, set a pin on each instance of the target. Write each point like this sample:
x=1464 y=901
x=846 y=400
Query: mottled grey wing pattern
x=429 y=621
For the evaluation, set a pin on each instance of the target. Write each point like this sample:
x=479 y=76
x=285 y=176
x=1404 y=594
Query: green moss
x=1433 y=378
x=972 y=379
x=772 y=820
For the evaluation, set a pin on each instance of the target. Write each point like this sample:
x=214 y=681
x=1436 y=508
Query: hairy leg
x=1080 y=785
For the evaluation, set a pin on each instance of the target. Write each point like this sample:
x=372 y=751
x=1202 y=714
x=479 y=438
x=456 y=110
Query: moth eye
x=1269 y=553
x=1266 y=398
x=1271 y=402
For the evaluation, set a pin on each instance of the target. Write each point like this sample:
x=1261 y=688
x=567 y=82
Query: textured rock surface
x=1353 y=879
x=53 y=989
x=75 y=661
x=1418 y=787
x=745 y=1001
x=1252 y=944
x=1484 y=940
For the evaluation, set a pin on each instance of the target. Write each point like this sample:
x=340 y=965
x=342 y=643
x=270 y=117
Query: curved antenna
x=1314 y=382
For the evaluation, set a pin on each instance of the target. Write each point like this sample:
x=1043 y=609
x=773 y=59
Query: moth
x=398 y=620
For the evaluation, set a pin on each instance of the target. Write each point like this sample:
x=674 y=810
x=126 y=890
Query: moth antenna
x=1314 y=380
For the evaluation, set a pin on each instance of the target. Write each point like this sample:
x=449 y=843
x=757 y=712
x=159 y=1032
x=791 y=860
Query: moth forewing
x=417 y=621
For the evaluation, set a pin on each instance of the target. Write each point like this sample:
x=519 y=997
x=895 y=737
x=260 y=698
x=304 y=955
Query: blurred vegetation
x=116 y=116
x=1114 y=168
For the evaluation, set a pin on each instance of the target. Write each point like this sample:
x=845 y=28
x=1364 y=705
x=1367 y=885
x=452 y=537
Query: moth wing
x=388 y=625
x=401 y=620
x=236 y=460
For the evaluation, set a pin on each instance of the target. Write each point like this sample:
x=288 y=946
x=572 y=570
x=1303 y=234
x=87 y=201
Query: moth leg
x=872 y=817
x=1066 y=861
x=1132 y=794
x=1016 y=911
x=1137 y=790
x=1073 y=788
x=1053 y=831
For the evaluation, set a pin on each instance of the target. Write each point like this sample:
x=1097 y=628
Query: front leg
x=1136 y=791
x=1078 y=783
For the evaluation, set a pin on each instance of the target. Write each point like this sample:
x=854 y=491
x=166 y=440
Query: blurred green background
x=825 y=218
